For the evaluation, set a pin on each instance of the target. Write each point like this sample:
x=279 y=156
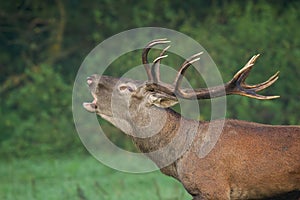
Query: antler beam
x=236 y=85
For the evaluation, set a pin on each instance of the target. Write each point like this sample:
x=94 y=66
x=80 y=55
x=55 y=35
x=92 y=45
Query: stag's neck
x=159 y=133
x=172 y=140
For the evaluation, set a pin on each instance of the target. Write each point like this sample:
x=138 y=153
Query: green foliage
x=38 y=116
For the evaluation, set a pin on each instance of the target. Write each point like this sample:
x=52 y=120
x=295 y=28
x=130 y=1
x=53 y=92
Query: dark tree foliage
x=43 y=43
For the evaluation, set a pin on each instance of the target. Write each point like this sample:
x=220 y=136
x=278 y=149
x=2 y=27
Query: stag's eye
x=130 y=89
x=122 y=88
x=126 y=87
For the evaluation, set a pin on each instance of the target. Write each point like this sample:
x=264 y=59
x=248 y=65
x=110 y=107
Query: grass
x=81 y=178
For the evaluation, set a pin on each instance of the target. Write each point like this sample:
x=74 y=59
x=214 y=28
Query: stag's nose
x=89 y=80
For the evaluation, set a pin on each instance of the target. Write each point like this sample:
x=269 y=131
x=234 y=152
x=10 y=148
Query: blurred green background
x=43 y=44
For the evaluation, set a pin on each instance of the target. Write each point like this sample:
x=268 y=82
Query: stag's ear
x=162 y=100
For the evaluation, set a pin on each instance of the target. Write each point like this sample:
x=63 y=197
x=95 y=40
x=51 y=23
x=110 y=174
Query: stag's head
x=124 y=102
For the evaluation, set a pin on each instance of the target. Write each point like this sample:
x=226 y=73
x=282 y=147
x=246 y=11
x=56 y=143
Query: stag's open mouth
x=90 y=106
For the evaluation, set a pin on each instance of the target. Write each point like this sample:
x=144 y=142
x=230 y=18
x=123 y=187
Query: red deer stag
x=249 y=161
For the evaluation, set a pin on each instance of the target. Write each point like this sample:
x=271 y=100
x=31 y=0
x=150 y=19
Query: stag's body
x=249 y=160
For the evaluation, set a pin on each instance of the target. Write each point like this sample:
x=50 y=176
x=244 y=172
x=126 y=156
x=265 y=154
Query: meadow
x=82 y=178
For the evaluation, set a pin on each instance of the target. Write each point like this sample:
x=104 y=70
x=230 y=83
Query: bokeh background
x=43 y=44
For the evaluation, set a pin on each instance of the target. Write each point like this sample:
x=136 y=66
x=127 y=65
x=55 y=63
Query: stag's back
x=249 y=160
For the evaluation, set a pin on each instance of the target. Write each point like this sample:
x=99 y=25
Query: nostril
x=94 y=106
x=89 y=80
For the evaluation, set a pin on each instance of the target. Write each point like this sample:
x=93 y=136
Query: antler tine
x=145 y=55
x=155 y=68
x=238 y=86
x=247 y=68
x=183 y=68
x=155 y=71
x=261 y=86
x=250 y=90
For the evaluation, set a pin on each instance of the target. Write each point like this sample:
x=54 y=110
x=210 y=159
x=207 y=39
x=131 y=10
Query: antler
x=149 y=71
x=236 y=85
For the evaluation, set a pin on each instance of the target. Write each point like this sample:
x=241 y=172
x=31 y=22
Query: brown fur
x=249 y=160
